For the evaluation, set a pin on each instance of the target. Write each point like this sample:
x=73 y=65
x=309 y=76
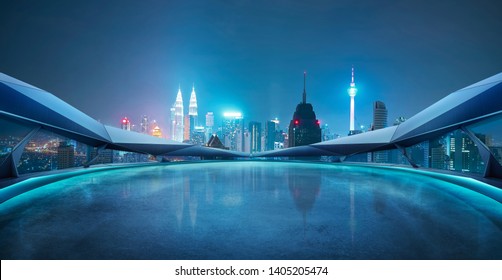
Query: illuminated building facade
x=254 y=137
x=192 y=112
x=233 y=130
x=352 y=93
x=157 y=132
x=379 y=122
x=66 y=155
x=178 y=117
x=186 y=129
x=271 y=133
x=144 y=124
x=125 y=124
x=304 y=128
x=199 y=136
x=172 y=123
x=379 y=115
x=209 y=124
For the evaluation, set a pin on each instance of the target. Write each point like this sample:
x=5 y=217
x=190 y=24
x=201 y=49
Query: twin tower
x=183 y=125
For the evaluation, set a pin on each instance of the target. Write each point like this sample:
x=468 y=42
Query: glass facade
x=47 y=151
x=453 y=151
x=11 y=133
x=490 y=134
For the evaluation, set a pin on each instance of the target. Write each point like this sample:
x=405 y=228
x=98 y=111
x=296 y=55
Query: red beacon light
x=318 y=122
x=297 y=122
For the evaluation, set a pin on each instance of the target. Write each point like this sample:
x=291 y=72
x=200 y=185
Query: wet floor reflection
x=250 y=210
x=304 y=187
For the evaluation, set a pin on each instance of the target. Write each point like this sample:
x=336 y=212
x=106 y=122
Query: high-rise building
x=464 y=154
x=352 y=93
x=144 y=124
x=192 y=111
x=270 y=132
x=125 y=124
x=179 y=117
x=379 y=122
x=186 y=129
x=255 y=137
x=233 y=130
x=304 y=128
x=209 y=124
x=66 y=155
x=438 y=156
x=199 y=136
x=172 y=123
x=157 y=132
x=379 y=115
x=247 y=142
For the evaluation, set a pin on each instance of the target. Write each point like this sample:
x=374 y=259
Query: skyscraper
x=199 y=136
x=192 y=111
x=172 y=123
x=144 y=124
x=125 y=124
x=255 y=137
x=209 y=124
x=352 y=90
x=157 y=132
x=233 y=130
x=178 y=113
x=66 y=155
x=271 y=131
x=379 y=122
x=379 y=115
x=304 y=128
x=186 y=129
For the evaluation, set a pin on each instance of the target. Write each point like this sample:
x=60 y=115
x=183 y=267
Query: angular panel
x=490 y=133
x=44 y=108
x=11 y=133
x=459 y=108
x=48 y=151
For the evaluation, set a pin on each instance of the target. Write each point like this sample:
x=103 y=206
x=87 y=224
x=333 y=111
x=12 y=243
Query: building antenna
x=304 y=92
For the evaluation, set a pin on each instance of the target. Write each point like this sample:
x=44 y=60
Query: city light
x=232 y=114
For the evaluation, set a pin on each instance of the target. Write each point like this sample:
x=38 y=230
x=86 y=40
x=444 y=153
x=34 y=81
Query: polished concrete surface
x=251 y=210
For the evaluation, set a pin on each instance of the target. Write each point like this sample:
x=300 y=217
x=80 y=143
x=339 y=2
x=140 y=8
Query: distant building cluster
x=454 y=151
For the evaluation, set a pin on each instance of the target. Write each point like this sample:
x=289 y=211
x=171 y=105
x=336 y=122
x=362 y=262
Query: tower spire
x=352 y=90
x=304 y=91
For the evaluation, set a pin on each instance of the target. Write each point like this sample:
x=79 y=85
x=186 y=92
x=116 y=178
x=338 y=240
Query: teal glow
x=254 y=210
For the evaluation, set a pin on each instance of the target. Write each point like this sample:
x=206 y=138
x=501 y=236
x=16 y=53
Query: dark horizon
x=125 y=58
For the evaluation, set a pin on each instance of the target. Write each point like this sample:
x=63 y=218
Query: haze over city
x=126 y=58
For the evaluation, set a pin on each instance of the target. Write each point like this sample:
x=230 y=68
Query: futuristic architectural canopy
x=34 y=109
x=459 y=109
x=37 y=109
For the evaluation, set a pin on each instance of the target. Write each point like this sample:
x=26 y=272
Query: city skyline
x=249 y=56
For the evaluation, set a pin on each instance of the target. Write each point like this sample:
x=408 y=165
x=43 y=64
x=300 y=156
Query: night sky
x=127 y=58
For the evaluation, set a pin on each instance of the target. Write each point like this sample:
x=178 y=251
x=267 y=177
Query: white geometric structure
x=192 y=108
x=34 y=109
x=352 y=90
x=459 y=109
x=192 y=111
x=179 y=117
